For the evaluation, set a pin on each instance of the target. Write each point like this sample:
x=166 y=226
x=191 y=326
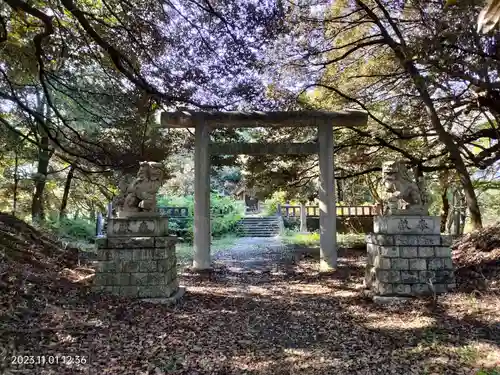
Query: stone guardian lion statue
x=403 y=196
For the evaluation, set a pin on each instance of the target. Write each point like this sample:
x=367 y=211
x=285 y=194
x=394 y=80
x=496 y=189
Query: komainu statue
x=403 y=196
x=139 y=195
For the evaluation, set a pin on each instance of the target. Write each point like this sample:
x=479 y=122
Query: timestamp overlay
x=48 y=363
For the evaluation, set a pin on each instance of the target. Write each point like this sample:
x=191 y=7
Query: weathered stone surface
x=147 y=266
x=144 y=254
x=417 y=264
x=139 y=278
x=399 y=264
x=429 y=240
x=436 y=264
x=401 y=289
x=446 y=240
x=383 y=288
x=155 y=291
x=371 y=248
x=131 y=242
x=426 y=252
x=121 y=279
x=101 y=242
x=388 y=276
x=420 y=289
x=383 y=239
x=165 y=241
x=129 y=291
x=104 y=254
x=408 y=251
x=128 y=266
x=389 y=300
x=389 y=251
x=108 y=266
x=405 y=240
x=447 y=264
x=443 y=252
x=427 y=276
x=140 y=225
x=122 y=254
x=410 y=277
x=382 y=263
x=172 y=300
x=406 y=224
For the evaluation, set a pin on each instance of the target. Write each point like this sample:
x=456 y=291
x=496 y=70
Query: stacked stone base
x=408 y=264
x=137 y=267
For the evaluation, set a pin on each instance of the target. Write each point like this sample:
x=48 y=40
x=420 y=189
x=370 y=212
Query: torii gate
x=204 y=122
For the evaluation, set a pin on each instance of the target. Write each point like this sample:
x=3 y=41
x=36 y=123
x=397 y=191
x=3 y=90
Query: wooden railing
x=313 y=211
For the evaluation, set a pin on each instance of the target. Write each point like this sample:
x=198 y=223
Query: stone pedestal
x=137 y=259
x=407 y=256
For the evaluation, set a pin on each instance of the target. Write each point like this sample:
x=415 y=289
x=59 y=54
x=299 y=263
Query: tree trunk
x=446 y=209
x=303 y=218
x=37 y=206
x=67 y=187
x=16 y=184
x=401 y=53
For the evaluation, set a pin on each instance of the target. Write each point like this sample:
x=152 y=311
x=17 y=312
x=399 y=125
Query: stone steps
x=259 y=226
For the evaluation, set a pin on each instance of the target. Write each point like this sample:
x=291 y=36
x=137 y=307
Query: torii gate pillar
x=327 y=207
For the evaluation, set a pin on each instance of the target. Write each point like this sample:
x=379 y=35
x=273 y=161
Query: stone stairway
x=259 y=226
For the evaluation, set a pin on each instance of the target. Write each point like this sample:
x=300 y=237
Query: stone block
x=139 y=278
x=144 y=254
x=410 y=277
x=442 y=252
x=160 y=253
x=147 y=266
x=103 y=279
x=429 y=240
x=103 y=254
x=417 y=264
x=139 y=225
x=399 y=264
x=435 y=264
x=166 y=265
x=420 y=289
x=383 y=239
x=109 y=289
x=166 y=241
x=427 y=276
x=130 y=242
x=451 y=286
x=108 y=266
x=388 y=276
x=129 y=291
x=401 y=289
x=155 y=278
x=101 y=242
x=406 y=224
x=426 y=252
x=405 y=240
x=128 y=266
x=122 y=254
x=446 y=240
x=389 y=251
x=383 y=288
x=408 y=251
x=122 y=279
x=155 y=291
x=447 y=264
x=382 y=263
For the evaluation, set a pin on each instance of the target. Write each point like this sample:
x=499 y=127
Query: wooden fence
x=313 y=211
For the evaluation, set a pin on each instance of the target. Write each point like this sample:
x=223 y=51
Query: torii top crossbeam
x=189 y=119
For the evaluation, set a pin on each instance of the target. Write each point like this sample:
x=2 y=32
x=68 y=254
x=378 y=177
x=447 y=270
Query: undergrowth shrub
x=71 y=228
x=226 y=212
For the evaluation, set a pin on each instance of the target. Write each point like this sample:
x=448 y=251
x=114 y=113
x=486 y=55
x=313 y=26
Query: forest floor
x=282 y=317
